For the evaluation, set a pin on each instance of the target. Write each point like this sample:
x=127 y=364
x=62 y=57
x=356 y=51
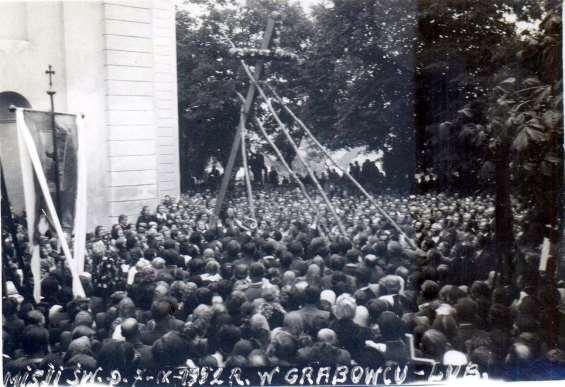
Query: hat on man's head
x=35 y=317
x=328 y=296
x=243 y=347
x=371 y=259
x=80 y=345
x=158 y=263
x=392 y=284
x=454 y=358
x=445 y=310
x=361 y=317
x=117 y=296
x=82 y=331
x=55 y=313
x=327 y=336
x=85 y=361
x=258 y=358
x=83 y=318
x=141 y=264
x=345 y=307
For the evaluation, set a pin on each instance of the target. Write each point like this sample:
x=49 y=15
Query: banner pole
x=51 y=93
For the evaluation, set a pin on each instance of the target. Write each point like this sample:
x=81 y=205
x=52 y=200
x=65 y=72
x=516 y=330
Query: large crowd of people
x=171 y=288
x=367 y=173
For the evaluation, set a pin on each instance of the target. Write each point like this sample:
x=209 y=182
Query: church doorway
x=9 y=153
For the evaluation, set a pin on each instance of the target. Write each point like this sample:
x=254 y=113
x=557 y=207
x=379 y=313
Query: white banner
x=79 y=244
x=29 y=200
x=28 y=151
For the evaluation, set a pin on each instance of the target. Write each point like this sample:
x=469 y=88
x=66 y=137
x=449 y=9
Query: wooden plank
x=228 y=171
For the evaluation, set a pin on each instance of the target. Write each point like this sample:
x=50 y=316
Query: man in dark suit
x=130 y=331
x=466 y=311
x=162 y=322
x=313 y=317
x=257 y=165
x=257 y=275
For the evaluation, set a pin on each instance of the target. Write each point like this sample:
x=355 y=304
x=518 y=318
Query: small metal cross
x=50 y=72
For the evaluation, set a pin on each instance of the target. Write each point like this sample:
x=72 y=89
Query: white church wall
x=165 y=97
x=29 y=41
x=23 y=62
x=129 y=62
x=84 y=42
x=13 y=20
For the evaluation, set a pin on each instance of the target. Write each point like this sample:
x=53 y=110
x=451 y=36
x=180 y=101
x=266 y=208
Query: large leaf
x=557 y=101
x=502 y=101
x=533 y=81
x=534 y=123
x=466 y=111
x=544 y=95
x=518 y=119
x=551 y=118
x=481 y=138
x=525 y=137
x=552 y=158
x=535 y=135
x=521 y=141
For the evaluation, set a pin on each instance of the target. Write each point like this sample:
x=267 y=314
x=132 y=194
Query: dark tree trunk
x=503 y=214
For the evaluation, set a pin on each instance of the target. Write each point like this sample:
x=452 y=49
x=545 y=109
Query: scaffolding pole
x=295 y=147
x=243 y=132
x=343 y=170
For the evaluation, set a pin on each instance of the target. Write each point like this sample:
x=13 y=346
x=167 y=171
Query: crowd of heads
x=287 y=288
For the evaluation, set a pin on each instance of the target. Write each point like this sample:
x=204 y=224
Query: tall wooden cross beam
x=228 y=171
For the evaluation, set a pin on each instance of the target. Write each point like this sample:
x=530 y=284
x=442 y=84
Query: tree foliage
x=424 y=81
x=208 y=76
x=510 y=136
x=519 y=113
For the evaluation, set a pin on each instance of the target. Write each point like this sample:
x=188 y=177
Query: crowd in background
x=172 y=288
x=367 y=173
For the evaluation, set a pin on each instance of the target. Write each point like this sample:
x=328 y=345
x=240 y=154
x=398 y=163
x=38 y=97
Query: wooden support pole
x=283 y=161
x=295 y=147
x=243 y=132
x=228 y=170
x=343 y=170
x=291 y=173
x=277 y=151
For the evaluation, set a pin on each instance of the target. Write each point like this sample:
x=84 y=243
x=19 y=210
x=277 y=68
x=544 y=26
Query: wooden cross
x=266 y=44
x=50 y=72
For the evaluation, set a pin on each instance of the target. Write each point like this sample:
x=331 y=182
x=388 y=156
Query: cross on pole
x=265 y=45
x=50 y=72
